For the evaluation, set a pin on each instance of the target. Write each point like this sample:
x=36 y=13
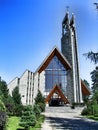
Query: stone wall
x=70 y=51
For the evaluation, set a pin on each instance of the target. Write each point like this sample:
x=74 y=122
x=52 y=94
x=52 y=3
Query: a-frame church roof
x=55 y=52
x=57 y=90
x=85 y=90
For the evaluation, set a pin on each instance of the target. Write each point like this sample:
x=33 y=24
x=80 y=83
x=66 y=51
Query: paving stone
x=65 y=118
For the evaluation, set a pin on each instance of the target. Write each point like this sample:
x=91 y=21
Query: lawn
x=92 y=117
x=14 y=121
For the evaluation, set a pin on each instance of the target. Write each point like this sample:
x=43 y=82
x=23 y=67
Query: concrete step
x=63 y=109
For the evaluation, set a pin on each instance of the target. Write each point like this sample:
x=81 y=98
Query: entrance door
x=56 y=97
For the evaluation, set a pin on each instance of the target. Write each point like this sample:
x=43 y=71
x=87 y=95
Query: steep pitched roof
x=54 y=52
x=57 y=90
x=85 y=90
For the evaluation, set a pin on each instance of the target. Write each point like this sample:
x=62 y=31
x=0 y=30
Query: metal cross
x=67 y=8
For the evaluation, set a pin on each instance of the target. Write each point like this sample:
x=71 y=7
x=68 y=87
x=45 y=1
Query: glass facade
x=55 y=74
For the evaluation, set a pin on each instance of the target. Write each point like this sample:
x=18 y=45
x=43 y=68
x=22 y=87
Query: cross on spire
x=67 y=8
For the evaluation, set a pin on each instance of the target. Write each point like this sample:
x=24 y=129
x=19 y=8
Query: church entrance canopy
x=59 y=92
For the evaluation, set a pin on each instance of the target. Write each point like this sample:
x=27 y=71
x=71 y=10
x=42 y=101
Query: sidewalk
x=46 y=125
x=53 y=112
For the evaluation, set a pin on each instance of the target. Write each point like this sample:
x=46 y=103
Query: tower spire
x=72 y=21
x=70 y=51
x=65 y=22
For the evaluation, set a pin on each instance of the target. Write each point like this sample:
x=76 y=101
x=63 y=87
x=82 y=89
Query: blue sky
x=29 y=29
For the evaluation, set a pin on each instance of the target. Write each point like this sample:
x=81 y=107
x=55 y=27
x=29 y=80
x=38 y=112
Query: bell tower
x=70 y=51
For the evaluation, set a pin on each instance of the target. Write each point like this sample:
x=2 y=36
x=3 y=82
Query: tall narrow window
x=55 y=74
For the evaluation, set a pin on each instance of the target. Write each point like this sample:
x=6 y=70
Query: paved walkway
x=64 y=118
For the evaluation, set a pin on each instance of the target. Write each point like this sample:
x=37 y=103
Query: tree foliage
x=94 y=77
x=17 y=101
x=4 y=92
x=37 y=111
x=92 y=105
x=40 y=101
x=92 y=56
x=39 y=98
x=3 y=116
x=28 y=118
x=16 y=96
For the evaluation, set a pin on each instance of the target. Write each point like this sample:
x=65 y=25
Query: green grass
x=14 y=121
x=92 y=117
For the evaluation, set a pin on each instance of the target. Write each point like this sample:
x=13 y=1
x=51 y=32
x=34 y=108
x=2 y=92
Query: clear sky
x=29 y=29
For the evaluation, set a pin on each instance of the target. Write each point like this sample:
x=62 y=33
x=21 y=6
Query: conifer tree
x=39 y=98
x=40 y=101
x=28 y=118
x=17 y=101
x=16 y=96
x=94 y=76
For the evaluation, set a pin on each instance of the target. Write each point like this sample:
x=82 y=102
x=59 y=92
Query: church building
x=58 y=77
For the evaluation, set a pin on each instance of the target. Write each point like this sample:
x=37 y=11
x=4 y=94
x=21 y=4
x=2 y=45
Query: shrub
x=73 y=106
x=95 y=109
x=37 y=111
x=2 y=106
x=85 y=111
x=18 y=110
x=3 y=116
x=28 y=118
x=9 y=109
x=41 y=106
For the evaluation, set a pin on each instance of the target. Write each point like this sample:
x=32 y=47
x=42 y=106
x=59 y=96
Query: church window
x=55 y=74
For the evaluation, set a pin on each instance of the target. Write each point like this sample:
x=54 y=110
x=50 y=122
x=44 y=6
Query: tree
x=17 y=101
x=92 y=56
x=16 y=96
x=3 y=116
x=40 y=101
x=39 y=98
x=92 y=104
x=5 y=97
x=4 y=91
x=37 y=111
x=94 y=76
x=28 y=118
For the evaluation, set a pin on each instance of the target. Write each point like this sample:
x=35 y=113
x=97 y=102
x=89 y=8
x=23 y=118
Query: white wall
x=36 y=84
x=12 y=85
x=23 y=87
x=42 y=82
